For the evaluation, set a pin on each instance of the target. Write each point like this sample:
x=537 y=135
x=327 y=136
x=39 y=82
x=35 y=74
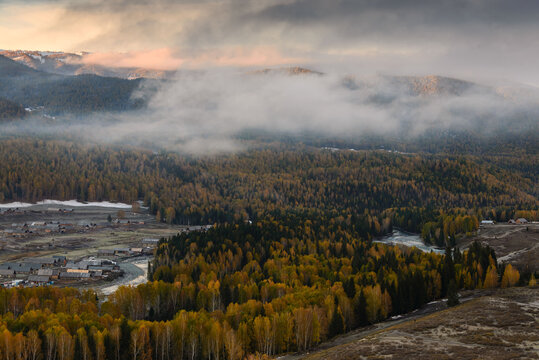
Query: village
x=59 y=270
x=519 y=221
x=84 y=246
x=56 y=224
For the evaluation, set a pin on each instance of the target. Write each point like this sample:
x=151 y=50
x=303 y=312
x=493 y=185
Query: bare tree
x=33 y=344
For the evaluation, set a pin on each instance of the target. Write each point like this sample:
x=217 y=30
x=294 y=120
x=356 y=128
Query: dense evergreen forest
x=10 y=110
x=66 y=94
x=441 y=196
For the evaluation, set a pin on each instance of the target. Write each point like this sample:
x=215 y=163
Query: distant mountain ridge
x=413 y=85
x=292 y=70
x=428 y=85
x=65 y=94
x=9 y=67
x=435 y=85
x=27 y=82
x=63 y=63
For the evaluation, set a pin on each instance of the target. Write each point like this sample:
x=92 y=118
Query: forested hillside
x=380 y=189
x=10 y=110
x=65 y=94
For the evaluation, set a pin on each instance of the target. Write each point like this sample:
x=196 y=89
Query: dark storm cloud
x=440 y=12
x=342 y=21
x=392 y=21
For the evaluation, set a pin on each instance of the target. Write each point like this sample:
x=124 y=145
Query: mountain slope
x=60 y=93
x=10 y=68
x=429 y=85
x=62 y=63
x=497 y=326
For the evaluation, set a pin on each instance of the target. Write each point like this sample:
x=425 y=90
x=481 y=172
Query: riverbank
x=398 y=237
x=135 y=273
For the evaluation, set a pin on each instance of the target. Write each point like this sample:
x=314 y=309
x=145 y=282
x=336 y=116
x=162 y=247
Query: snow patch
x=69 y=203
x=15 y=205
x=37 y=57
x=47 y=53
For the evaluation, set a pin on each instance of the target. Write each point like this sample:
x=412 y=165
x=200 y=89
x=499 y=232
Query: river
x=135 y=273
x=401 y=238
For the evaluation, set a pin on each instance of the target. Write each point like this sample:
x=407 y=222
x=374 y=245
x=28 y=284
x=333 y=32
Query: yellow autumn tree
x=491 y=279
x=140 y=344
x=532 y=282
x=510 y=276
x=233 y=346
x=373 y=295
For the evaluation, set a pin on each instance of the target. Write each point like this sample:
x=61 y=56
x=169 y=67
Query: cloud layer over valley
x=206 y=111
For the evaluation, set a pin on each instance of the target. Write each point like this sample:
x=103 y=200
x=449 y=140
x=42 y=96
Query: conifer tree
x=361 y=309
x=452 y=294
x=336 y=326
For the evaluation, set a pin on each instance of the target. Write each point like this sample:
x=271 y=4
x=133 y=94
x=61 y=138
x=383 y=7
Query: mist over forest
x=209 y=112
x=269 y=179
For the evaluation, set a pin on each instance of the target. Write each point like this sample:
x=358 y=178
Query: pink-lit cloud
x=169 y=59
x=161 y=59
x=241 y=56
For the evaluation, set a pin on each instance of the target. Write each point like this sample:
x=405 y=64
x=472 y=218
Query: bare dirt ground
x=503 y=324
x=430 y=308
x=514 y=244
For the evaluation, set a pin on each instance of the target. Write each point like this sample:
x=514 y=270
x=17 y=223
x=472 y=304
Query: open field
x=502 y=325
x=514 y=244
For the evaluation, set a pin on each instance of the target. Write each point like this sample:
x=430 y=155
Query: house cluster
x=519 y=221
x=146 y=248
x=17 y=211
x=40 y=228
x=197 y=228
x=39 y=271
x=125 y=252
x=12 y=211
x=127 y=222
x=150 y=242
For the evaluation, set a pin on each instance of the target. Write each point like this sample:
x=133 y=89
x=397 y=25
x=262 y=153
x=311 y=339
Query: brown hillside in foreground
x=502 y=326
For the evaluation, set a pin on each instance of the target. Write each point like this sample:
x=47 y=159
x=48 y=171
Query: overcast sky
x=496 y=39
